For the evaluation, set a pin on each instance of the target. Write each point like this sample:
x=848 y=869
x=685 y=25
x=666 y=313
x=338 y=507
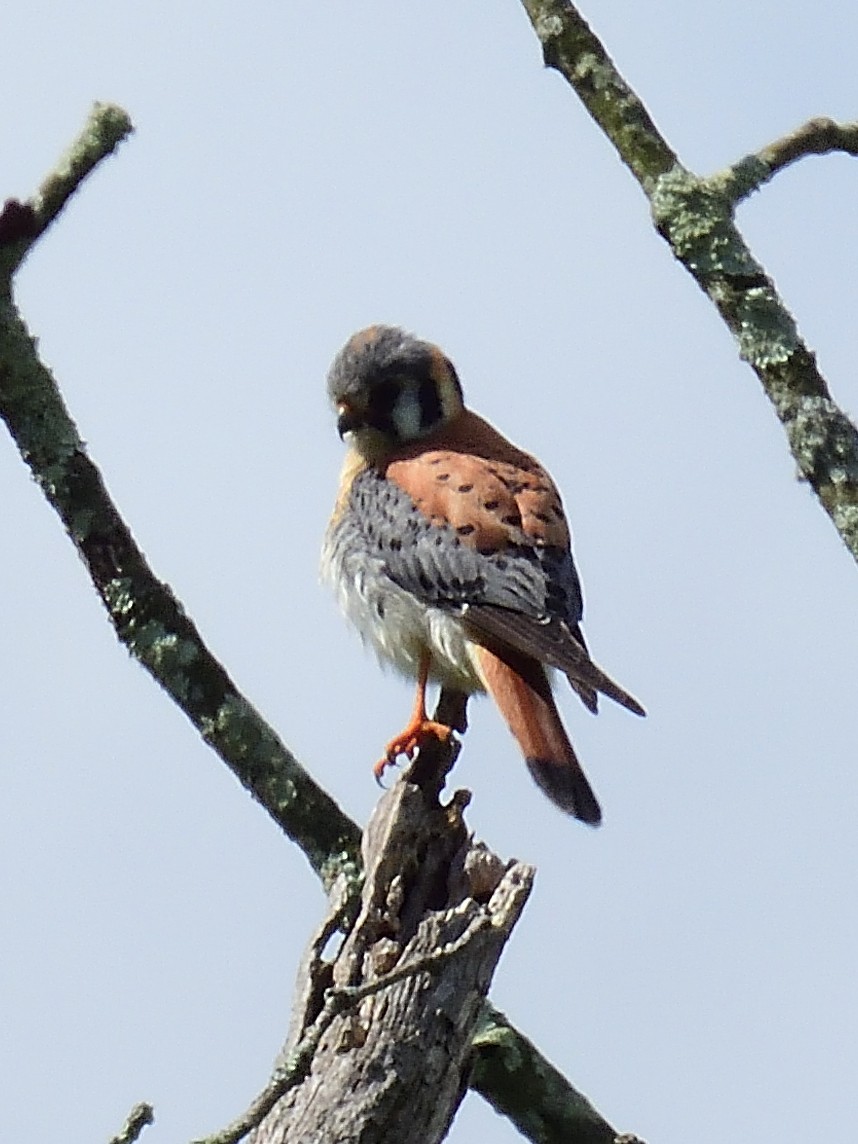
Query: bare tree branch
x=147 y=617
x=336 y=1002
x=569 y=45
x=21 y=224
x=518 y=1082
x=139 y=1116
x=816 y=137
x=695 y=216
x=382 y=1052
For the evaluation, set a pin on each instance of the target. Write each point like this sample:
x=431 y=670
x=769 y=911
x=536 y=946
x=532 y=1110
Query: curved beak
x=348 y=420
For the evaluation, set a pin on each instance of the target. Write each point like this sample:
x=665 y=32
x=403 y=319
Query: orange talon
x=420 y=728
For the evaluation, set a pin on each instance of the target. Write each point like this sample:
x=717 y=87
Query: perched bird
x=449 y=550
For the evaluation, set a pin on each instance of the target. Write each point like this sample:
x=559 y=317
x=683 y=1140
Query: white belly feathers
x=397 y=625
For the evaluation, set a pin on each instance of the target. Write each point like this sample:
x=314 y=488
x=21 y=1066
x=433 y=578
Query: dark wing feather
x=549 y=641
x=525 y=596
x=439 y=565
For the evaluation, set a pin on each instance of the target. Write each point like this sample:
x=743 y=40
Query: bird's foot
x=408 y=742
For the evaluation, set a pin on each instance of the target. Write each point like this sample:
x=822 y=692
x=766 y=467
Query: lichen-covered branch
x=819 y=136
x=696 y=217
x=514 y=1077
x=147 y=617
x=569 y=45
x=139 y=1116
x=22 y=223
x=816 y=137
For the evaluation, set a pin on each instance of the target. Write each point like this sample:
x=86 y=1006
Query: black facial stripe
x=379 y=414
x=386 y=386
x=429 y=400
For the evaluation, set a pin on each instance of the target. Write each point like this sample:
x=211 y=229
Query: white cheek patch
x=407 y=414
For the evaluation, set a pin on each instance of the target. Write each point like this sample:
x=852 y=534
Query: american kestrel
x=449 y=550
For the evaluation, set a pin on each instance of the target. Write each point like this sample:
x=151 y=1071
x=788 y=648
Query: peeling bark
x=412 y=974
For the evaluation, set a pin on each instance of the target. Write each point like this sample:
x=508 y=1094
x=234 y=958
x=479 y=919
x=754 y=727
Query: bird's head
x=388 y=389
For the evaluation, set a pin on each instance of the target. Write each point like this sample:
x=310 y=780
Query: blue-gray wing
x=523 y=596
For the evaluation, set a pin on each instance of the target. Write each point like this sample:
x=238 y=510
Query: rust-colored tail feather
x=520 y=688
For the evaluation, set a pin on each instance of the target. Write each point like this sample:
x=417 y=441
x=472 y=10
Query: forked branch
x=696 y=217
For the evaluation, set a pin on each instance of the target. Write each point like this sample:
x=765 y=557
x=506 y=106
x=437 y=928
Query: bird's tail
x=520 y=688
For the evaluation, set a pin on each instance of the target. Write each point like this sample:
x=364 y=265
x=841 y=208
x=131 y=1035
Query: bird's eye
x=380 y=406
x=384 y=394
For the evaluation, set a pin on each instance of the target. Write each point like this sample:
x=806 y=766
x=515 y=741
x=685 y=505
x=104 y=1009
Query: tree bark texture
x=412 y=973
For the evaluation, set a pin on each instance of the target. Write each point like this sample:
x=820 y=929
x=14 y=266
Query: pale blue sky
x=299 y=171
